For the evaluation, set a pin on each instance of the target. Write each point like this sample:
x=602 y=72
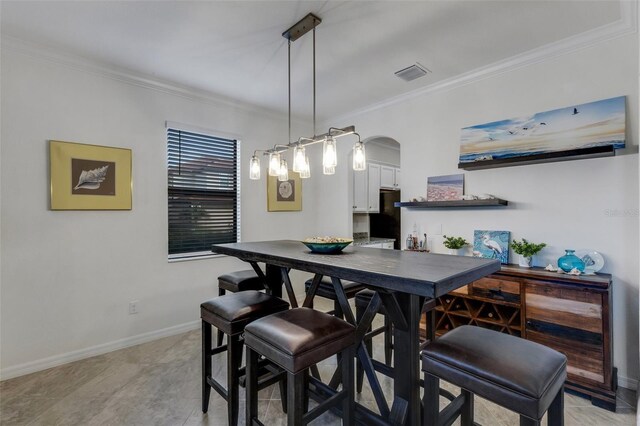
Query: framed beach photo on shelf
x=284 y=196
x=445 y=188
x=89 y=177
x=491 y=245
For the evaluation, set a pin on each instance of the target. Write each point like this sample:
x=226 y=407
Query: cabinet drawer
x=566 y=307
x=585 y=360
x=497 y=284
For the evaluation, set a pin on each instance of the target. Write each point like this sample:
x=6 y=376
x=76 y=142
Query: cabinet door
x=373 y=171
x=360 y=198
x=570 y=321
x=387 y=177
x=397 y=179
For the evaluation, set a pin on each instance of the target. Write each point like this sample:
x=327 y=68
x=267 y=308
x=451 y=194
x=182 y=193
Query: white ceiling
x=235 y=48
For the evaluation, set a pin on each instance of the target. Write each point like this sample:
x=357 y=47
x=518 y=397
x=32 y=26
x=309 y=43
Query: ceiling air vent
x=412 y=72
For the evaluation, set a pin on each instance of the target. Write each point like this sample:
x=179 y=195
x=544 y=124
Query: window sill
x=194 y=257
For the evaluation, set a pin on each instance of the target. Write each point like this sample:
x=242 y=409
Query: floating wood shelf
x=550 y=157
x=494 y=202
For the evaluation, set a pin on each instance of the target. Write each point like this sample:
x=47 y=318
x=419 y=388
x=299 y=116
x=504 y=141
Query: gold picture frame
x=89 y=177
x=284 y=196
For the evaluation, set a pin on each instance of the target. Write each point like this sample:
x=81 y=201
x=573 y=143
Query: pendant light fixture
x=277 y=164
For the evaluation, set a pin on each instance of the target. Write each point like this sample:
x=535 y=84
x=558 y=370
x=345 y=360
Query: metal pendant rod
x=289 y=83
x=302 y=141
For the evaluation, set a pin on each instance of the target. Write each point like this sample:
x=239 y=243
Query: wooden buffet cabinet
x=571 y=314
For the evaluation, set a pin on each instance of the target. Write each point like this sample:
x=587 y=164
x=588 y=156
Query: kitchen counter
x=371 y=240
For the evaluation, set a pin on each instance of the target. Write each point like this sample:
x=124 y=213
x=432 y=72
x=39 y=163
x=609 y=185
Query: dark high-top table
x=403 y=281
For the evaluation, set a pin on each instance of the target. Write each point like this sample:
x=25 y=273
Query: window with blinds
x=203 y=189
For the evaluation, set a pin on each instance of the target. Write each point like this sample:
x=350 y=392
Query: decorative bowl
x=326 y=245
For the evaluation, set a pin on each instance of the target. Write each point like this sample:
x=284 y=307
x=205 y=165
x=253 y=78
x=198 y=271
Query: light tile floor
x=158 y=383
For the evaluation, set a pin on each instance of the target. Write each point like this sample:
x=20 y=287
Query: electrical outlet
x=133 y=307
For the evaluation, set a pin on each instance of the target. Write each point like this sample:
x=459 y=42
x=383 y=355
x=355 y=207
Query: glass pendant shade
x=274 y=164
x=329 y=170
x=359 y=157
x=298 y=158
x=306 y=170
x=283 y=175
x=254 y=168
x=329 y=153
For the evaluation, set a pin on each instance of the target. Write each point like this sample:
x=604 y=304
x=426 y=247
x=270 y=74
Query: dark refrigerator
x=386 y=224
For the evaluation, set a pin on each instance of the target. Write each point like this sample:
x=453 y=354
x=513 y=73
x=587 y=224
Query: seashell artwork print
x=91 y=179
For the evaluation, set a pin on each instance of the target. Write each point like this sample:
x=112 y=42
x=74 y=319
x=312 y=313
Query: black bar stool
x=363 y=298
x=235 y=282
x=230 y=314
x=520 y=375
x=326 y=290
x=296 y=340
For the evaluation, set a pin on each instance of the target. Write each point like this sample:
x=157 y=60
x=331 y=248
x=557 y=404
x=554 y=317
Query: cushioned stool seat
x=299 y=338
x=515 y=373
x=296 y=340
x=325 y=289
x=236 y=282
x=230 y=314
x=240 y=281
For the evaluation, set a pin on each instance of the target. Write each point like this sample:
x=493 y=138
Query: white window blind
x=203 y=190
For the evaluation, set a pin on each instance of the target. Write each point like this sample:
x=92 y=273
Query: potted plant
x=454 y=244
x=526 y=250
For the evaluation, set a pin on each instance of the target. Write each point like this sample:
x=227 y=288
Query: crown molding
x=627 y=24
x=83 y=64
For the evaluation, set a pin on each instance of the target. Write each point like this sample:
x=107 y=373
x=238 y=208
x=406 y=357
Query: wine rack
x=469 y=306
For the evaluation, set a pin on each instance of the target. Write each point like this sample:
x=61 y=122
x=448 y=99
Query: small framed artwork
x=491 y=245
x=284 y=196
x=89 y=177
x=445 y=188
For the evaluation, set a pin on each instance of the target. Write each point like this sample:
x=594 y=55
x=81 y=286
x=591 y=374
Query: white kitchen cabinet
x=373 y=171
x=389 y=177
x=360 y=194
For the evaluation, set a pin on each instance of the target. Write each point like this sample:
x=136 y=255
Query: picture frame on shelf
x=445 y=188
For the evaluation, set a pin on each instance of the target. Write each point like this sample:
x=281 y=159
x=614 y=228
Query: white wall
x=68 y=276
x=575 y=204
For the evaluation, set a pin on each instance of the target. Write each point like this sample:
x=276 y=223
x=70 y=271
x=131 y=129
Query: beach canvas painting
x=445 y=188
x=587 y=125
x=491 y=245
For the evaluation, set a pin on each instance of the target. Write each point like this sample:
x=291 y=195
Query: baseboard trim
x=56 y=360
x=627 y=383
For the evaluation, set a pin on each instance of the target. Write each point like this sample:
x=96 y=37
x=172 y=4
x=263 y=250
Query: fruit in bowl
x=326 y=245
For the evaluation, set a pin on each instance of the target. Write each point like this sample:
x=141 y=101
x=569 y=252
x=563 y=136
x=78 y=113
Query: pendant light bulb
x=254 y=168
x=359 y=157
x=329 y=153
x=274 y=164
x=298 y=158
x=306 y=170
x=329 y=170
x=283 y=175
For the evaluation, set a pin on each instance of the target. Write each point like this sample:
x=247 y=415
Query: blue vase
x=570 y=261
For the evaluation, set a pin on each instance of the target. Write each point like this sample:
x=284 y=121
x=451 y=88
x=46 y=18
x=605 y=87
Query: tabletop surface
x=425 y=274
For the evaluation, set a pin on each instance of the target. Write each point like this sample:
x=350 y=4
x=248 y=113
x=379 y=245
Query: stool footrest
x=218 y=388
x=383 y=368
x=218 y=349
x=451 y=412
x=324 y=406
